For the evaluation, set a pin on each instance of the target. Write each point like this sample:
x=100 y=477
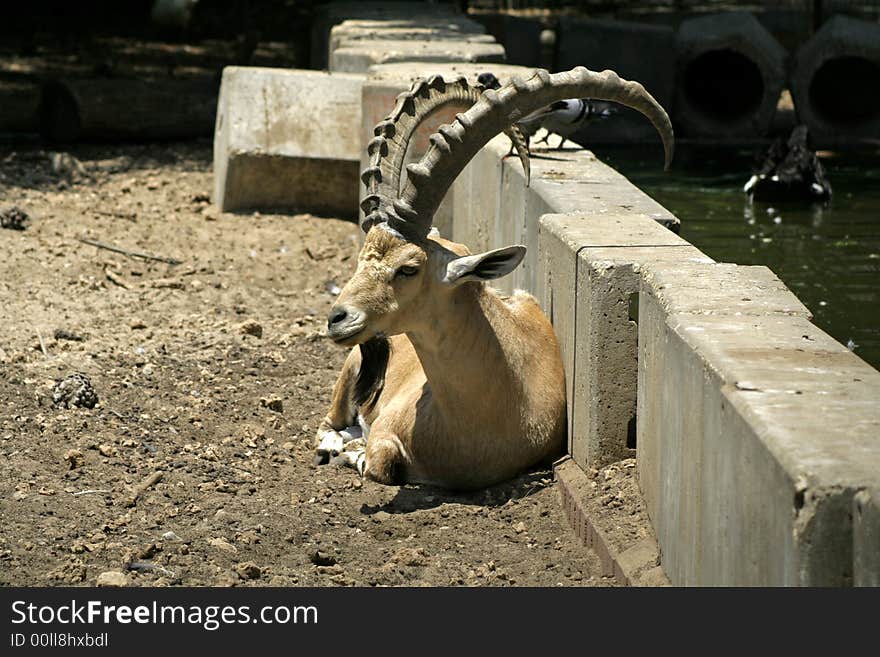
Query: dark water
x=829 y=256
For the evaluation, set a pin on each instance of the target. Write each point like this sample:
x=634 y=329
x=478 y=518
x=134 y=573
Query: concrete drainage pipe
x=730 y=74
x=835 y=81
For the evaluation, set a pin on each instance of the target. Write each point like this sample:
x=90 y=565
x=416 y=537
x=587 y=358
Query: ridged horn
x=495 y=111
x=387 y=149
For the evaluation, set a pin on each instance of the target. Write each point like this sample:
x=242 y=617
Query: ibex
x=453 y=383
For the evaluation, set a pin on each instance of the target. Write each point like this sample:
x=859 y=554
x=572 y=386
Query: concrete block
x=639 y=558
x=333 y=13
x=754 y=433
x=589 y=266
x=576 y=181
x=620 y=46
x=733 y=290
x=731 y=71
x=381 y=88
x=287 y=138
x=603 y=405
x=352 y=32
x=357 y=57
x=866 y=538
x=834 y=81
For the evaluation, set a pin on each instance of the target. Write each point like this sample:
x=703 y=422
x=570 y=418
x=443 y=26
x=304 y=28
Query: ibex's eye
x=406 y=270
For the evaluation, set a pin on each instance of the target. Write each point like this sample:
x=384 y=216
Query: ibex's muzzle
x=344 y=322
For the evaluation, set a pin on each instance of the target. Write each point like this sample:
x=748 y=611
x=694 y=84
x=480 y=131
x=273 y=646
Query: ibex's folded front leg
x=340 y=424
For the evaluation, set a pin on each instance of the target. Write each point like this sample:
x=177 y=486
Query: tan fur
x=474 y=390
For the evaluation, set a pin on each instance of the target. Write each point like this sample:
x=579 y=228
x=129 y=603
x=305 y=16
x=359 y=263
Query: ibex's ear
x=484 y=266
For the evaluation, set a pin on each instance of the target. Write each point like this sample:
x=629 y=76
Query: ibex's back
x=472 y=390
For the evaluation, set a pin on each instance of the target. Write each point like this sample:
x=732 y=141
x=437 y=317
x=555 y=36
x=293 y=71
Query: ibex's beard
x=371 y=376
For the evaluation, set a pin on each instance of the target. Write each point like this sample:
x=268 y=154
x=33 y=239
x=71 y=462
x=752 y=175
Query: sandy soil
x=213 y=373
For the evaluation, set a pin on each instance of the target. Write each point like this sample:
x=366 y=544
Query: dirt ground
x=213 y=373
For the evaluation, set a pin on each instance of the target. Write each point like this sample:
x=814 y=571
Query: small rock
x=74 y=458
x=108 y=450
x=248 y=570
x=150 y=551
x=251 y=327
x=519 y=527
x=381 y=516
x=137 y=324
x=273 y=403
x=112 y=578
x=320 y=558
x=410 y=557
x=66 y=166
x=64 y=334
x=335 y=569
x=222 y=544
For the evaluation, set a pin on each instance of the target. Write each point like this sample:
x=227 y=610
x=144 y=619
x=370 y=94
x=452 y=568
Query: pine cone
x=74 y=390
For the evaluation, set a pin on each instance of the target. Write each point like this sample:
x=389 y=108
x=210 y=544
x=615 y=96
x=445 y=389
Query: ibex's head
x=400 y=282
x=404 y=271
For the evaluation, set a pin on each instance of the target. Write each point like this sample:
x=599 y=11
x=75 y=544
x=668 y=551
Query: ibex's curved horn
x=454 y=145
x=387 y=149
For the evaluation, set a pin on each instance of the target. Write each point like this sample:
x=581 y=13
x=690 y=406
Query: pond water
x=829 y=256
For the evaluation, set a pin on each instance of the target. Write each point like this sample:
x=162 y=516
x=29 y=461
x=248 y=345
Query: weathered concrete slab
x=576 y=181
x=754 y=433
x=601 y=44
x=733 y=290
x=590 y=269
x=866 y=538
x=287 y=138
x=330 y=14
x=381 y=88
x=352 y=32
x=357 y=57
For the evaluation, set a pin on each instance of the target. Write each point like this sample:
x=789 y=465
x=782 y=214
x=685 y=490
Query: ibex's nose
x=336 y=315
x=342 y=322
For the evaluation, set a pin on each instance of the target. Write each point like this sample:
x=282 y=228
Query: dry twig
x=143 y=487
x=131 y=254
